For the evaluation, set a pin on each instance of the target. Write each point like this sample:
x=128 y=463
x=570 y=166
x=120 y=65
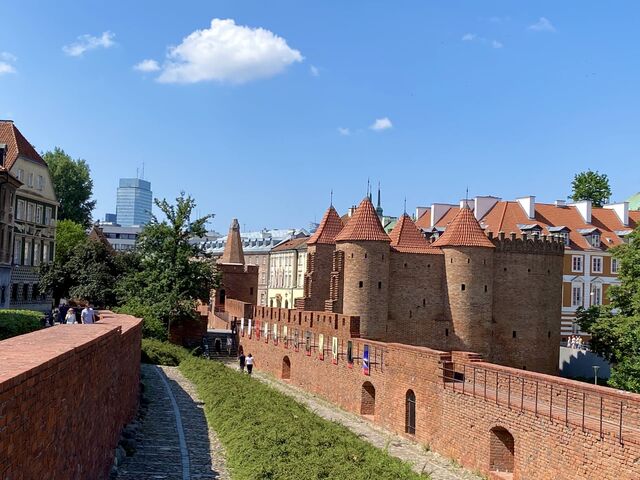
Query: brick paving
x=159 y=455
x=422 y=459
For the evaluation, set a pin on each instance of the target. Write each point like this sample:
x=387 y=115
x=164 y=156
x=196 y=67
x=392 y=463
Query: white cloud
x=147 y=65
x=469 y=37
x=381 y=124
x=472 y=37
x=315 y=71
x=344 y=131
x=89 y=42
x=542 y=25
x=227 y=52
x=496 y=44
x=6 y=61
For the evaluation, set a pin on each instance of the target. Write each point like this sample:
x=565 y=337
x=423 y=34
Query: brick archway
x=286 y=368
x=501 y=450
x=368 y=403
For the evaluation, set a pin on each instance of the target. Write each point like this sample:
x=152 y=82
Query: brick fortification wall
x=534 y=427
x=65 y=394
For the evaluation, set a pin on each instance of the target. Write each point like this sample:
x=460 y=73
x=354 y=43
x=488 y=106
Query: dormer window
x=565 y=237
x=595 y=240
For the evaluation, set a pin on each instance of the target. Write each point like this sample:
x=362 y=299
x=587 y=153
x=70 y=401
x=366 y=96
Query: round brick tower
x=365 y=247
x=468 y=263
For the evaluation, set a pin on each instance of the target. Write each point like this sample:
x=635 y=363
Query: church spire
x=379 y=207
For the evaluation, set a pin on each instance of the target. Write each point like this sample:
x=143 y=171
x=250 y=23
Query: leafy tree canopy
x=73 y=186
x=69 y=234
x=173 y=273
x=592 y=186
x=615 y=328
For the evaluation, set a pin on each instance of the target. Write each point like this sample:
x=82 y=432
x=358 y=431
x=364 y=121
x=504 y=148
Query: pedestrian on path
x=88 y=315
x=70 y=317
x=249 y=364
x=242 y=360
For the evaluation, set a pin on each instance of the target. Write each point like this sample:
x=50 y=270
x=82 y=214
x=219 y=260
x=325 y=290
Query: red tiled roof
x=329 y=228
x=17 y=145
x=364 y=225
x=406 y=238
x=291 y=244
x=464 y=231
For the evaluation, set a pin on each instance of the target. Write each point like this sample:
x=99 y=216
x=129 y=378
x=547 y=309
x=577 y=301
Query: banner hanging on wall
x=334 y=350
x=365 y=360
x=321 y=346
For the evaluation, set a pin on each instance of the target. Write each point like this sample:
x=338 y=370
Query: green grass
x=18 y=322
x=268 y=435
x=162 y=353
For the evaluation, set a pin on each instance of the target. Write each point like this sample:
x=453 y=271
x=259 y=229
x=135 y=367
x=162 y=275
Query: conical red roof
x=329 y=228
x=406 y=238
x=463 y=231
x=364 y=225
x=232 y=252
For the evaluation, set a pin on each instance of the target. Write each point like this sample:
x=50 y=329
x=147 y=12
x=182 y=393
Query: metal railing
x=597 y=413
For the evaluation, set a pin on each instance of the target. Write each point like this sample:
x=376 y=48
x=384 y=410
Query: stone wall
x=65 y=394
x=534 y=425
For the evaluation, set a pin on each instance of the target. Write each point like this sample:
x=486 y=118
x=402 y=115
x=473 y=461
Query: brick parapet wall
x=65 y=394
x=343 y=326
x=460 y=425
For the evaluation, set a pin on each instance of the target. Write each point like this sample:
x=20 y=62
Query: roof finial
x=378 y=194
x=405 y=205
x=368 y=186
x=331 y=201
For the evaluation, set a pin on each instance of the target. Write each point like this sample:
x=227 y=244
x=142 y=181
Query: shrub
x=268 y=435
x=152 y=326
x=18 y=322
x=162 y=353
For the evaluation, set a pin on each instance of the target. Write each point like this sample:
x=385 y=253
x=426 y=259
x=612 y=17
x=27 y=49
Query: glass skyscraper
x=133 y=205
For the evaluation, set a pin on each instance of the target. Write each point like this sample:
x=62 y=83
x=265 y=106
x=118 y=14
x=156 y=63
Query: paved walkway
x=174 y=442
x=414 y=453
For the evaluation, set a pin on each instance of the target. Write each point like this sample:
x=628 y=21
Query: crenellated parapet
x=344 y=326
x=525 y=243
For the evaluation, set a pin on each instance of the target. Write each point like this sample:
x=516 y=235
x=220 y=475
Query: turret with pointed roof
x=464 y=231
x=233 y=248
x=406 y=238
x=330 y=226
x=364 y=225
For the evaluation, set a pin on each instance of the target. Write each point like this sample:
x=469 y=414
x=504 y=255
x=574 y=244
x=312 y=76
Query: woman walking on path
x=70 y=317
x=249 y=364
x=242 y=361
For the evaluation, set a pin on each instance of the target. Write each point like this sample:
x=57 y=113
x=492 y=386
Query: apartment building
x=588 y=233
x=287 y=266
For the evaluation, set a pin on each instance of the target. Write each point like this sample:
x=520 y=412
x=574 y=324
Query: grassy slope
x=268 y=435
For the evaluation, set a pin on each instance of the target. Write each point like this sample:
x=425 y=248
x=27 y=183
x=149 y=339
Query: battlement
x=344 y=326
x=525 y=243
x=237 y=268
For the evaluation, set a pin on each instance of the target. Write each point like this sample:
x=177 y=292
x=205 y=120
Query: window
x=565 y=237
x=30 y=211
x=40 y=184
x=14 y=292
x=596 y=294
x=45 y=252
x=20 y=210
x=596 y=264
x=20 y=174
x=463 y=287
x=39 y=214
x=595 y=239
x=30 y=180
x=576 y=263
x=25 y=291
x=51 y=251
x=350 y=352
x=360 y=284
x=36 y=253
x=614 y=265
x=17 y=251
x=576 y=295
x=27 y=252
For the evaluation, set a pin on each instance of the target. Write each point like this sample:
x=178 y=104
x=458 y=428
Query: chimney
x=560 y=203
x=584 y=208
x=466 y=202
x=621 y=209
x=481 y=205
x=351 y=210
x=528 y=204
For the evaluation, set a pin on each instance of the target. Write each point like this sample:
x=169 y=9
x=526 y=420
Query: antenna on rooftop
x=142 y=170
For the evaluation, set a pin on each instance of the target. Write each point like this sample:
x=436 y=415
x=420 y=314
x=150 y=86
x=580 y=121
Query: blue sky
x=507 y=98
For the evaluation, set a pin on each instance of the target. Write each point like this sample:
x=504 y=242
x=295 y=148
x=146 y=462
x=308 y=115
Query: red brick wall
x=65 y=394
x=188 y=332
x=460 y=425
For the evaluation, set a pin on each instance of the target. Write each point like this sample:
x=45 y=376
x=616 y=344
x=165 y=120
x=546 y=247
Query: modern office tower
x=134 y=201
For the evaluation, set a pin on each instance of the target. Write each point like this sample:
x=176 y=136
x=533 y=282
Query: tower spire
x=378 y=194
x=331 y=200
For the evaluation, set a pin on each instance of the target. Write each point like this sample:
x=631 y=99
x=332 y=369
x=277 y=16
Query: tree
x=73 y=186
x=69 y=234
x=173 y=273
x=592 y=186
x=615 y=328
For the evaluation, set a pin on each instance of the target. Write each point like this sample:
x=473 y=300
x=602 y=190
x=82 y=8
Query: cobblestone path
x=417 y=455
x=174 y=442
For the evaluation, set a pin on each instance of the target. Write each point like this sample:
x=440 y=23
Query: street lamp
x=595 y=371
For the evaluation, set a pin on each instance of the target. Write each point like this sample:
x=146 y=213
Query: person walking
x=242 y=361
x=87 y=315
x=249 y=364
x=70 y=317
